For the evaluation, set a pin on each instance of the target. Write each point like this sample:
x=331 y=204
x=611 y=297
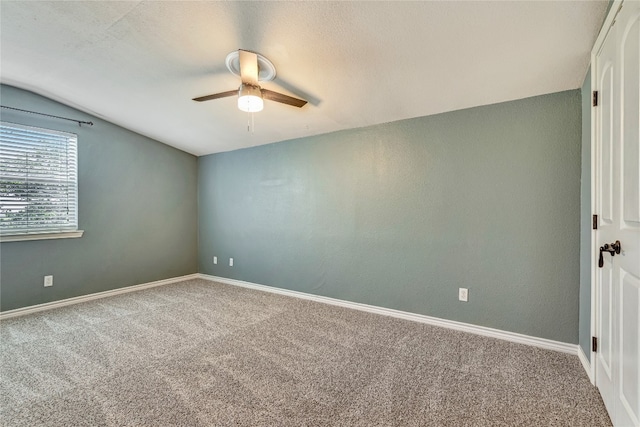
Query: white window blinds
x=38 y=180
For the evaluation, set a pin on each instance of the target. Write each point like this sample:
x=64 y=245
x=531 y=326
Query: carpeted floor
x=203 y=354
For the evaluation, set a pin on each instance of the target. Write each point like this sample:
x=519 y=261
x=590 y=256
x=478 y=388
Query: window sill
x=41 y=236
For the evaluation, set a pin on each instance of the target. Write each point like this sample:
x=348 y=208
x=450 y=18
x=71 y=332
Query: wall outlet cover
x=215 y=259
x=463 y=294
x=230 y=262
x=48 y=281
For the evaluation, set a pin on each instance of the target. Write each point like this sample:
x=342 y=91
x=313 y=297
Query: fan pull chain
x=250 y=123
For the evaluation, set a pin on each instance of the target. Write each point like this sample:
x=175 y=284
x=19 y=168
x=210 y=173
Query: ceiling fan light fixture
x=250 y=98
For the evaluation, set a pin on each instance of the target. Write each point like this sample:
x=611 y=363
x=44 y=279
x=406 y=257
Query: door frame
x=595 y=161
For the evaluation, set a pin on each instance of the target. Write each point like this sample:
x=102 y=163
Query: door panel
x=627 y=266
x=606 y=137
x=606 y=322
x=606 y=120
x=617 y=361
x=630 y=92
x=630 y=340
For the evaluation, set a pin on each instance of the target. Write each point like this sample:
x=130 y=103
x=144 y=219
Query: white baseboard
x=451 y=324
x=585 y=363
x=84 y=298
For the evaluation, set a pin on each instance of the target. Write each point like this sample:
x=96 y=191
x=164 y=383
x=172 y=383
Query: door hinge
x=594 y=224
x=595 y=98
x=594 y=344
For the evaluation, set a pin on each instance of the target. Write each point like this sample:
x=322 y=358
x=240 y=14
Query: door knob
x=613 y=249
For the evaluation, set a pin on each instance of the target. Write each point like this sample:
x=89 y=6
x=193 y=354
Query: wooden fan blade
x=248 y=67
x=284 y=99
x=216 y=95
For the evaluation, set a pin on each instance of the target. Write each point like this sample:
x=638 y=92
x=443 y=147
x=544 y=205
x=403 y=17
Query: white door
x=617 y=360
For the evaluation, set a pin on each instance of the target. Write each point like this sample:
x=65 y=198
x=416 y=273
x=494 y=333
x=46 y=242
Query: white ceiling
x=138 y=64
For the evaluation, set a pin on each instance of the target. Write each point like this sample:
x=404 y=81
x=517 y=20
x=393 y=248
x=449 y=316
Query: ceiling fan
x=252 y=67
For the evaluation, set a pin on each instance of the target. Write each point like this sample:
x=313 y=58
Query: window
x=38 y=183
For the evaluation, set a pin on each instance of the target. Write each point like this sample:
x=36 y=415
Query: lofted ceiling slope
x=138 y=64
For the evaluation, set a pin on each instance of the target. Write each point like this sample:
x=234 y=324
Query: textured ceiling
x=139 y=64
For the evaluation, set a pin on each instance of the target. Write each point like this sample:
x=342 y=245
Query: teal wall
x=397 y=215
x=585 y=221
x=402 y=214
x=137 y=206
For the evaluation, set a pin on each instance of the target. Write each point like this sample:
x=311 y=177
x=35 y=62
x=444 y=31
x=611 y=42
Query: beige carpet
x=204 y=354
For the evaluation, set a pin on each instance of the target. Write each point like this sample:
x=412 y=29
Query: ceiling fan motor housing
x=266 y=69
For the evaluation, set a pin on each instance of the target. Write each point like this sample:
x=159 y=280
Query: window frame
x=52 y=233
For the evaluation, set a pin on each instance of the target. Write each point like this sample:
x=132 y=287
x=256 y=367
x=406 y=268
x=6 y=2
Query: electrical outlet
x=463 y=294
x=48 y=281
x=230 y=262
x=215 y=259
